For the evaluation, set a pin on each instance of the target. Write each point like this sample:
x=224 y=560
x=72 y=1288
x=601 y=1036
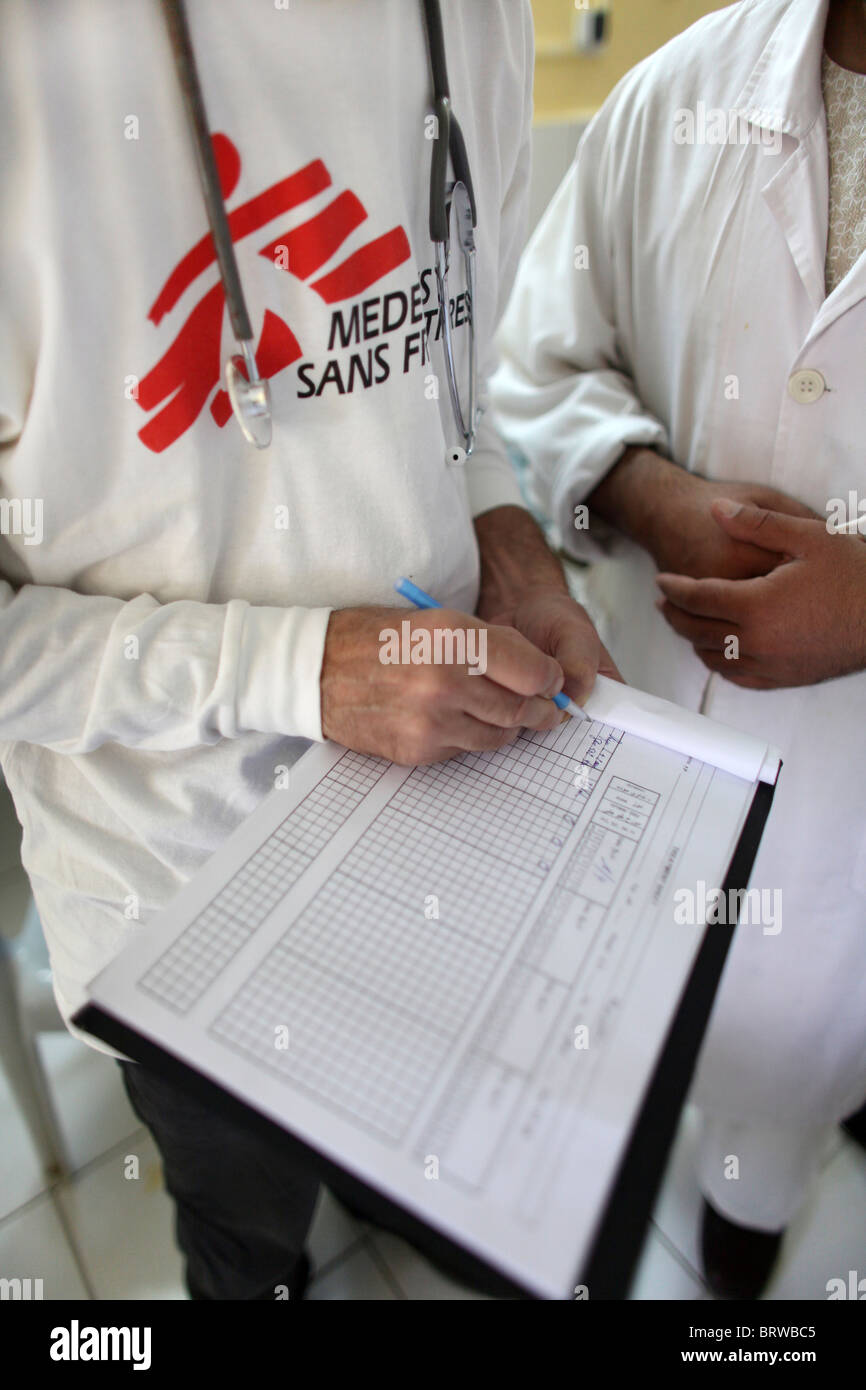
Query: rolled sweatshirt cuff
x=279 y=670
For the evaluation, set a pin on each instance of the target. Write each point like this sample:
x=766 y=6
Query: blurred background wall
x=581 y=52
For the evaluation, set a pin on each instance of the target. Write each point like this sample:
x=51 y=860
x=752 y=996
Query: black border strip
x=621 y=1233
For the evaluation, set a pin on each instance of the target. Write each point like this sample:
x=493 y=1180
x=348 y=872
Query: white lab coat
x=670 y=296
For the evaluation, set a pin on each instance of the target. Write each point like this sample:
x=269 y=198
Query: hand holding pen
x=423 y=687
x=423 y=600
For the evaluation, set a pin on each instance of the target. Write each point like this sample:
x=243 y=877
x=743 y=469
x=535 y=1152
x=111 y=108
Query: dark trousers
x=243 y=1206
x=244 y=1202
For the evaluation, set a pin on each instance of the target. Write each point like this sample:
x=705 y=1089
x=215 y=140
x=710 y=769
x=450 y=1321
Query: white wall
x=553 y=149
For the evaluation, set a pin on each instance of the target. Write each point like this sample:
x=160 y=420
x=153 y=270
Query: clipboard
x=617 y=1208
x=623 y=1223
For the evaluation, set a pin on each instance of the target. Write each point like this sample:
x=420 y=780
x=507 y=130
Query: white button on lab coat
x=694 y=319
x=806 y=386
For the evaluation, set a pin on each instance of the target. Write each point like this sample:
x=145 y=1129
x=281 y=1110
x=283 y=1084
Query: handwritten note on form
x=455 y=980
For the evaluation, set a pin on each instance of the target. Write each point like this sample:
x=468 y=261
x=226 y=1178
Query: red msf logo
x=188 y=371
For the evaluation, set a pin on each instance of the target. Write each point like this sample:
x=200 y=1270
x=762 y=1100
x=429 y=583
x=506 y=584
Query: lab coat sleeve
x=490 y=476
x=563 y=394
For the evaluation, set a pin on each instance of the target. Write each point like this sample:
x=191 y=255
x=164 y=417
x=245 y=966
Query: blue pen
x=422 y=600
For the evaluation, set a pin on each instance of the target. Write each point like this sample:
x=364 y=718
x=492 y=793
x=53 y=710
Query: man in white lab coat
x=689 y=326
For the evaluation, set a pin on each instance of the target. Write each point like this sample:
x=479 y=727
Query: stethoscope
x=249 y=393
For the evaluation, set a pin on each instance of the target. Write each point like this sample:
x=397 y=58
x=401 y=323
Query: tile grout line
x=73 y=1246
x=682 y=1260
x=33 y=1201
x=59 y=1180
x=52 y=1189
x=384 y=1268
x=134 y=1135
x=322 y=1271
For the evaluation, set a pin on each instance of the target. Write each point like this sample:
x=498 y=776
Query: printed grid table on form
x=375 y=980
x=197 y=957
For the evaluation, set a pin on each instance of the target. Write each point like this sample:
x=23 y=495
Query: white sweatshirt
x=164 y=587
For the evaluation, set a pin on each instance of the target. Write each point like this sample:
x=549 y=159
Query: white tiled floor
x=105 y=1234
x=100 y=1234
x=122 y=1223
x=33 y=1245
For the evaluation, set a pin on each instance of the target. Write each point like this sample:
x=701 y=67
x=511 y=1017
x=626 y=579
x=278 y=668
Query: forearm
x=633 y=495
x=515 y=559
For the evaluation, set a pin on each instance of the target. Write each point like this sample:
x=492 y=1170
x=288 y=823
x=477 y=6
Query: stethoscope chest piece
x=250 y=398
x=458 y=207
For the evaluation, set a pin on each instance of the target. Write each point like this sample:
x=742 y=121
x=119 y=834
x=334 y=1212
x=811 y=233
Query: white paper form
x=452 y=980
x=636 y=712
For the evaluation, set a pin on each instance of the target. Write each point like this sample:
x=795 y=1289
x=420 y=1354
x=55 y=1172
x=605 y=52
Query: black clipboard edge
x=623 y=1227
x=620 y=1235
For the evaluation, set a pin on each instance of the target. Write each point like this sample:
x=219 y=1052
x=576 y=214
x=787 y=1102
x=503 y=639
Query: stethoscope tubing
x=178 y=27
x=248 y=393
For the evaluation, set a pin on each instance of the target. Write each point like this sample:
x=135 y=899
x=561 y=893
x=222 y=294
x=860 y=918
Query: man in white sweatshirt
x=683 y=366
x=180 y=614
